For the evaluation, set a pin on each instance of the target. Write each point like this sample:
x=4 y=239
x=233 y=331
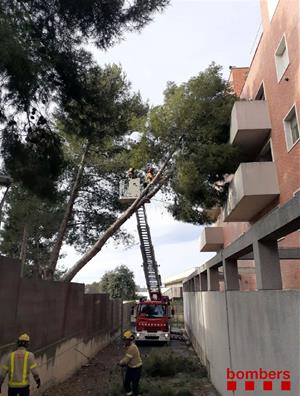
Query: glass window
x=281 y=58
x=294 y=128
x=291 y=128
x=153 y=311
x=261 y=93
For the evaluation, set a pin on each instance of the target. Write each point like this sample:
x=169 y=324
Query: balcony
x=211 y=239
x=254 y=186
x=250 y=126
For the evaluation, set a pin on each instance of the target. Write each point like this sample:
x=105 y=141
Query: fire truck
x=152 y=318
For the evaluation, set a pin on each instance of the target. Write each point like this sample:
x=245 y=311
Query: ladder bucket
x=130 y=190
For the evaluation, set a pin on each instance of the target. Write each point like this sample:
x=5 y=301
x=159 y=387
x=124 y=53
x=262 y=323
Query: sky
x=177 y=45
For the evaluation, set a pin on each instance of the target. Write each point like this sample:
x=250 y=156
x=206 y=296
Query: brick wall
x=237 y=78
x=280 y=97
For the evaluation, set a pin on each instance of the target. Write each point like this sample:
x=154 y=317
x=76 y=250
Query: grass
x=166 y=364
x=160 y=368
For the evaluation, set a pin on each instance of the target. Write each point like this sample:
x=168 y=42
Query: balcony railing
x=254 y=186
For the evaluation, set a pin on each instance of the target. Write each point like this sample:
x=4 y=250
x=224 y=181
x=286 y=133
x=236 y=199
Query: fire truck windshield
x=153 y=311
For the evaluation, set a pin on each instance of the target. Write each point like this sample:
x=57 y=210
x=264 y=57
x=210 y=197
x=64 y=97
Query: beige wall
x=245 y=331
x=59 y=361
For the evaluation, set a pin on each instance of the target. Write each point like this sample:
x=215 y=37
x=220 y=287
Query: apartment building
x=257 y=237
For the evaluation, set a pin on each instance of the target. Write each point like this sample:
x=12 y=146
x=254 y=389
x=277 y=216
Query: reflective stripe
x=137 y=366
x=25 y=368
x=34 y=365
x=24 y=382
x=130 y=356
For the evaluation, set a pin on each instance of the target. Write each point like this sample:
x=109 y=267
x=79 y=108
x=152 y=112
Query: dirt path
x=102 y=377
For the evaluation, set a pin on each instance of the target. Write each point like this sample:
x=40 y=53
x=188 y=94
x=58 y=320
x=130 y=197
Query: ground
x=102 y=377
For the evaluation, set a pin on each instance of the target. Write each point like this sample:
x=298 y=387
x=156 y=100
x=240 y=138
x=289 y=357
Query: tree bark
x=68 y=212
x=23 y=250
x=145 y=196
x=2 y=202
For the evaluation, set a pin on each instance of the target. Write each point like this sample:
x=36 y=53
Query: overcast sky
x=177 y=45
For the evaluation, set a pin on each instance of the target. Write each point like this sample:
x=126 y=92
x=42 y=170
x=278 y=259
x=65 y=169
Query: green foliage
x=184 y=392
x=166 y=363
x=118 y=283
x=43 y=62
x=115 y=390
x=161 y=390
x=30 y=222
x=41 y=42
x=97 y=127
x=101 y=124
x=194 y=120
x=107 y=109
x=36 y=162
x=93 y=288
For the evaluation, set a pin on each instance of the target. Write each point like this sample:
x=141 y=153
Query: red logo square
x=249 y=385
x=286 y=385
x=268 y=385
x=231 y=385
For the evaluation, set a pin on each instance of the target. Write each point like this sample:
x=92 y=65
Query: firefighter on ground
x=18 y=366
x=133 y=363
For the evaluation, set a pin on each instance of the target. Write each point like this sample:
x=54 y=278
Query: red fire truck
x=153 y=320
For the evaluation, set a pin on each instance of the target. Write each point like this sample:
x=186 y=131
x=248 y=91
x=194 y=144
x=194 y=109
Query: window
x=265 y=154
x=281 y=58
x=153 y=310
x=291 y=128
x=272 y=4
x=261 y=93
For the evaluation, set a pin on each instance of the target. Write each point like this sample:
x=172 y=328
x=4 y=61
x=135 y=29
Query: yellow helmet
x=24 y=337
x=128 y=335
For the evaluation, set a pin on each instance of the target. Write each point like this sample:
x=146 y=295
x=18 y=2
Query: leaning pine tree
x=187 y=138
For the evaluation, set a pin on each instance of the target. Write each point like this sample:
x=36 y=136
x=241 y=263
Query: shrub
x=184 y=392
x=161 y=390
x=160 y=364
x=165 y=363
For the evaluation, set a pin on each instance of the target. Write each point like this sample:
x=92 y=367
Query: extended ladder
x=150 y=266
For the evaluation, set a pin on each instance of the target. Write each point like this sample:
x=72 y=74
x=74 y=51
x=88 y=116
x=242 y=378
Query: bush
x=160 y=364
x=184 y=392
x=161 y=390
x=115 y=390
x=165 y=363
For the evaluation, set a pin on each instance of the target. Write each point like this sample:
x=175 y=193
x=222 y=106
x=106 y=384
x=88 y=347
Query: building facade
x=265 y=126
x=173 y=286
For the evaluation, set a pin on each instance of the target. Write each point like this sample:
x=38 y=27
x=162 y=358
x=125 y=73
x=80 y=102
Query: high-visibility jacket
x=18 y=366
x=132 y=357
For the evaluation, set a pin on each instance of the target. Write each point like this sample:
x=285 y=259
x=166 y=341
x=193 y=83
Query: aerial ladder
x=153 y=280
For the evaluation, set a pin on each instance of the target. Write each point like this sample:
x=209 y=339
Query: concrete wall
x=65 y=325
x=246 y=331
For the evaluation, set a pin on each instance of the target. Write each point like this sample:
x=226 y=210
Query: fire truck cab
x=153 y=320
